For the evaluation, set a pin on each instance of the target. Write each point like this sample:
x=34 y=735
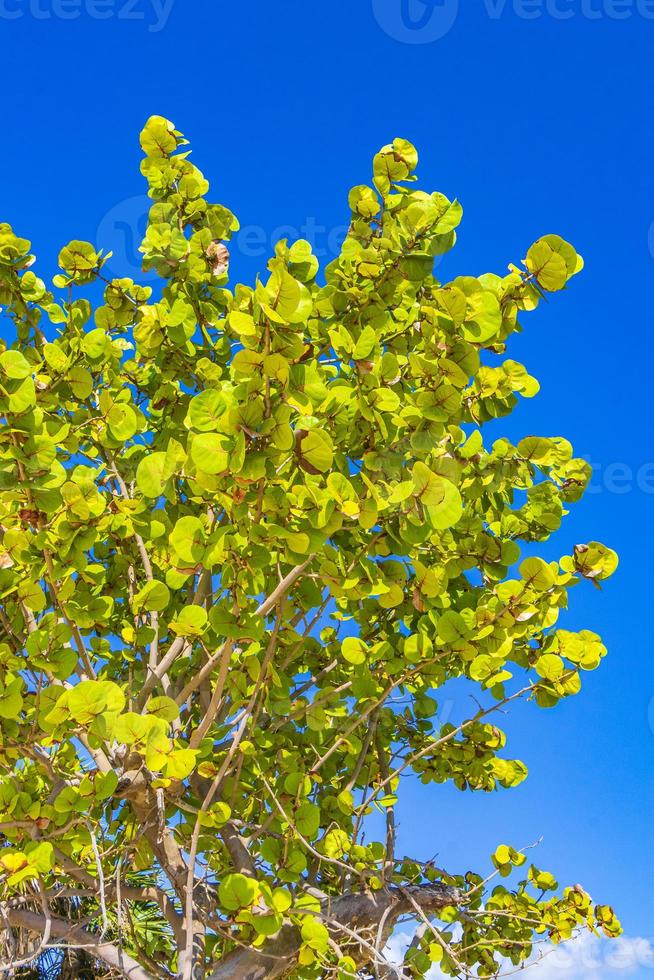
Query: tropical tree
x=248 y=534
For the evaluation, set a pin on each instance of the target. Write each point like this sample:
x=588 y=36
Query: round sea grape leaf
x=11 y=698
x=440 y=497
x=364 y=201
x=237 y=891
x=209 y=454
x=300 y=254
x=55 y=357
x=105 y=785
x=121 y=420
x=452 y=627
x=242 y=324
x=267 y=923
x=535 y=448
x=190 y=622
x=22 y=395
x=14 y=365
x=206 y=409
x=307 y=819
x=78 y=259
x=417 y=647
x=158 y=138
x=574 y=262
x=151 y=475
x=482 y=667
x=188 y=539
x=550 y=667
x=81 y=382
x=483 y=317
x=548 y=266
x=154 y=597
x=131 y=728
x=365 y=344
x=315 y=451
x=95 y=343
x=180 y=763
x=538 y=574
x=297 y=783
x=195 y=616
x=595 y=561
x=315 y=935
x=354 y=650
x=448 y=512
x=88 y=699
x=163 y=707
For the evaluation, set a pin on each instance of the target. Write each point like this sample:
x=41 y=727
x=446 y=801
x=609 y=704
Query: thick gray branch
x=69 y=932
x=359 y=911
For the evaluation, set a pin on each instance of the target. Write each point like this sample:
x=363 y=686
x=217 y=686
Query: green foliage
x=247 y=535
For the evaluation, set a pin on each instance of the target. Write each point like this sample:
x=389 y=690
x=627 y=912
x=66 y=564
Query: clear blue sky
x=538 y=117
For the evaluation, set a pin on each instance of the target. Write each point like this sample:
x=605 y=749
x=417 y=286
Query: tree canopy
x=247 y=536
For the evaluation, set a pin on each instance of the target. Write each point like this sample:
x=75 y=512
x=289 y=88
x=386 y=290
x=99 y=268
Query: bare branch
x=70 y=933
x=286 y=583
x=366 y=909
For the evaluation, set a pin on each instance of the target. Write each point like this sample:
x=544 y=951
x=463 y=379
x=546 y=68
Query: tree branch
x=361 y=910
x=155 y=675
x=283 y=587
x=70 y=933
